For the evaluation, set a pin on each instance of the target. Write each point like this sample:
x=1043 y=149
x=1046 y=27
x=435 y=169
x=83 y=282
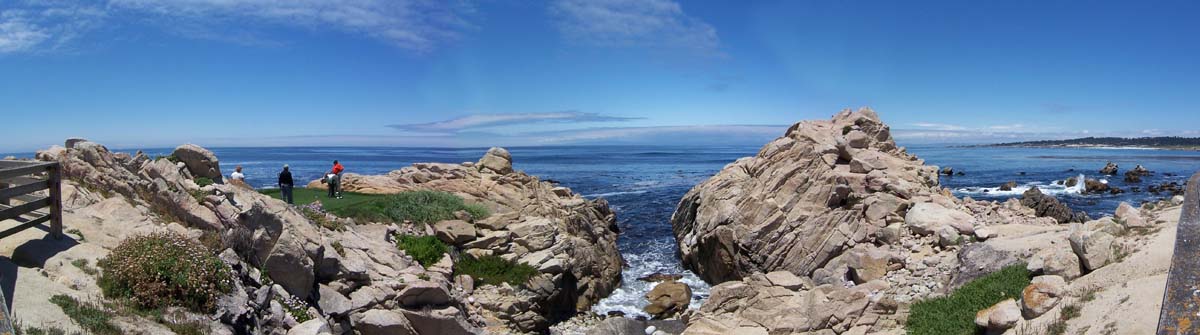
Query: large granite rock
x=199 y=161
x=668 y=299
x=801 y=200
x=569 y=239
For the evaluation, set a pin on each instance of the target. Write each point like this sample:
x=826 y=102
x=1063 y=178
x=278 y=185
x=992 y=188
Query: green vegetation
x=164 y=269
x=170 y=158
x=337 y=246
x=203 y=181
x=417 y=206
x=296 y=307
x=88 y=316
x=199 y=196
x=51 y=330
x=424 y=249
x=76 y=232
x=493 y=270
x=955 y=313
x=1069 y=311
x=83 y=265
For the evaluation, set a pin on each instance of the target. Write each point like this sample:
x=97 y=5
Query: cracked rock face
x=802 y=200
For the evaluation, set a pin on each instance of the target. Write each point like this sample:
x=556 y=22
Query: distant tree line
x=1160 y=141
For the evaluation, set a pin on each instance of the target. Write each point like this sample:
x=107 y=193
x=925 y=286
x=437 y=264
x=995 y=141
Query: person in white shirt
x=237 y=175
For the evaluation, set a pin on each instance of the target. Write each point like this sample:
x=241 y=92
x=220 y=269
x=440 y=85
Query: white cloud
x=42 y=26
x=699 y=134
x=937 y=126
x=475 y=121
x=640 y=23
x=416 y=25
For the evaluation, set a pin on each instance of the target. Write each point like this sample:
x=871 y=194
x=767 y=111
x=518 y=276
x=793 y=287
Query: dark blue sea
x=644 y=184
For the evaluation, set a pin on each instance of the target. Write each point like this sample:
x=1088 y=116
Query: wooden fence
x=21 y=184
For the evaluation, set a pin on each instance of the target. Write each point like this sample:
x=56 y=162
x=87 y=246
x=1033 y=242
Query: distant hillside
x=1162 y=142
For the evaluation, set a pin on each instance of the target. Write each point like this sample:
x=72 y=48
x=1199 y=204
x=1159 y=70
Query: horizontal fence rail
x=1180 y=312
x=21 y=185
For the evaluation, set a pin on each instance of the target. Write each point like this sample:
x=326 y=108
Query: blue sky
x=141 y=73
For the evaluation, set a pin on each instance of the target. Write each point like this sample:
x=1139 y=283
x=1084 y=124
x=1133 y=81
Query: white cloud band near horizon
x=478 y=121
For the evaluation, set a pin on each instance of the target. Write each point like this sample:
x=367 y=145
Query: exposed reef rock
x=1049 y=206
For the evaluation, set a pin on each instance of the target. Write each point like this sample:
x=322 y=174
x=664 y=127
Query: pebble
x=650 y=330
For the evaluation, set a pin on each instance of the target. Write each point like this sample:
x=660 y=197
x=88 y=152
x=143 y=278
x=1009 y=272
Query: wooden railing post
x=56 y=216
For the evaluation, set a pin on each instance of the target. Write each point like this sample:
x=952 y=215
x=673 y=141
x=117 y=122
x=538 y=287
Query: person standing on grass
x=335 y=180
x=286 y=184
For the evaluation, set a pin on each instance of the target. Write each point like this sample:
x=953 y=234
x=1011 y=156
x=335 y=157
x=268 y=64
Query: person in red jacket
x=335 y=180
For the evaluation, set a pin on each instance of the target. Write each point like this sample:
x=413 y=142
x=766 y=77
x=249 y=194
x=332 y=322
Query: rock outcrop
x=569 y=239
x=1109 y=169
x=668 y=299
x=1048 y=206
x=801 y=200
x=800 y=238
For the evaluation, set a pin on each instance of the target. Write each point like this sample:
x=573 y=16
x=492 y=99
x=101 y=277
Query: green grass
x=83 y=265
x=303 y=196
x=88 y=316
x=427 y=250
x=416 y=206
x=203 y=181
x=955 y=313
x=493 y=270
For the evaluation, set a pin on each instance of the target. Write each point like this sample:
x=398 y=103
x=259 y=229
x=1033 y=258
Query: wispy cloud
x=634 y=23
x=48 y=26
x=410 y=24
x=416 y=25
x=937 y=126
x=477 y=121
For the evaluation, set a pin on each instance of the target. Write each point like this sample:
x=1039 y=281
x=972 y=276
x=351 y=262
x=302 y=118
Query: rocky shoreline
x=829 y=229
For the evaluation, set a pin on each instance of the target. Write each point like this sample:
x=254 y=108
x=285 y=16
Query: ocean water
x=643 y=184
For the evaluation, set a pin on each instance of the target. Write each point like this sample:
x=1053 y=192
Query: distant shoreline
x=1142 y=143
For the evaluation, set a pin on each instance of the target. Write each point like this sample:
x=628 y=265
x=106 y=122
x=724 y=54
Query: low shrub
x=493 y=270
x=89 y=316
x=955 y=314
x=426 y=250
x=416 y=206
x=203 y=181
x=164 y=269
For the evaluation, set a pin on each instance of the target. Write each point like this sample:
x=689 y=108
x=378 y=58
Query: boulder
x=423 y=293
x=787 y=280
x=1094 y=248
x=928 y=218
x=1049 y=206
x=1008 y=186
x=454 y=232
x=1130 y=216
x=1109 y=169
x=999 y=317
x=199 y=161
x=1042 y=294
x=333 y=302
x=618 y=326
x=1058 y=260
x=384 y=322
x=668 y=299
x=496 y=160
x=316 y=326
x=1092 y=186
x=444 y=321
x=948 y=236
